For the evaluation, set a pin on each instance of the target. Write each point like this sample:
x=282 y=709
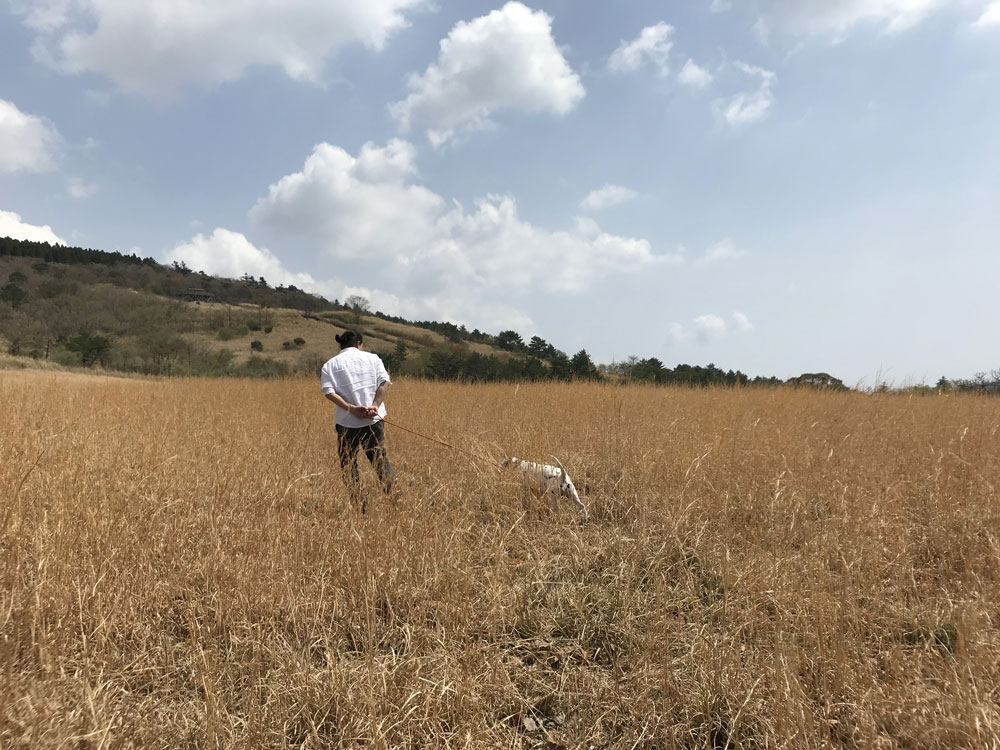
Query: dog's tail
x=559 y=463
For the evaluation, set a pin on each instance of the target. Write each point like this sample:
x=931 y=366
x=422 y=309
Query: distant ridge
x=127 y=313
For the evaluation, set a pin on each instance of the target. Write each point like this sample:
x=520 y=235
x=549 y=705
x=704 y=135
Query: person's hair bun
x=348 y=338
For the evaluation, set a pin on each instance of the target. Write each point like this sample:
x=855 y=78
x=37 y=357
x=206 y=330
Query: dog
x=547 y=479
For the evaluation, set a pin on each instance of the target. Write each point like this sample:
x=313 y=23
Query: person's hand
x=361 y=412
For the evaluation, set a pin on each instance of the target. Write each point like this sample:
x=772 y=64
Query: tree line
x=983 y=382
x=85 y=324
x=66 y=254
x=653 y=370
x=94 y=316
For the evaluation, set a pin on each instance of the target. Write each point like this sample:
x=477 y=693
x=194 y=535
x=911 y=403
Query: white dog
x=548 y=479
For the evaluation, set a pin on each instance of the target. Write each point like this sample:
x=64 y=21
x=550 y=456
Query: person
x=356 y=381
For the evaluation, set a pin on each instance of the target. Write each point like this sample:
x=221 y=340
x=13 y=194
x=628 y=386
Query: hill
x=73 y=306
x=79 y=307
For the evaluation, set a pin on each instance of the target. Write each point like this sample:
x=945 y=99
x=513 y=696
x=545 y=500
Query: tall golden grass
x=180 y=567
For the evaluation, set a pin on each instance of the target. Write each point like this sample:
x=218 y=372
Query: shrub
x=286 y=345
x=261 y=367
x=310 y=364
x=52 y=289
x=66 y=357
x=13 y=294
x=268 y=329
x=208 y=363
x=299 y=341
x=253 y=326
x=256 y=346
x=91 y=347
x=226 y=334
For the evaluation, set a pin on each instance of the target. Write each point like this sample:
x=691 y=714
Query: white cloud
x=723 y=250
x=836 y=18
x=750 y=106
x=158 y=47
x=706 y=328
x=694 y=75
x=720 y=6
x=990 y=17
x=231 y=254
x=607 y=196
x=415 y=241
x=354 y=208
x=507 y=60
x=677 y=334
x=28 y=143
x=43 y=15
x=505 y=252
x=12 y=226
x=80 y=189
x=652 y=46
x=709 y=327
x=762 y=30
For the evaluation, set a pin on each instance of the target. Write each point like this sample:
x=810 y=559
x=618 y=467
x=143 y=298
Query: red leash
x=425 y=437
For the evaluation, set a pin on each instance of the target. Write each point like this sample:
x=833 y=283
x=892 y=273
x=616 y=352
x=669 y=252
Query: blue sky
x=778 y=186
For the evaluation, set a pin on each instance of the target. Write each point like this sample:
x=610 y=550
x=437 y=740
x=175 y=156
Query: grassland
x=180 y=567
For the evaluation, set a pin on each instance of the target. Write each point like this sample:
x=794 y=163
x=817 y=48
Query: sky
x=775 y=186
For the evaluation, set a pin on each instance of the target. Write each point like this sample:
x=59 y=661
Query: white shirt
x=354 y=375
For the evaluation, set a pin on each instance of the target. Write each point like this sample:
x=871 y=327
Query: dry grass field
x=180 y=567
